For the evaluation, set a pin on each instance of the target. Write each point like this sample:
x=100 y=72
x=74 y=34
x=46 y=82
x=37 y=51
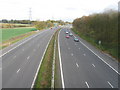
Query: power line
x=30 y=14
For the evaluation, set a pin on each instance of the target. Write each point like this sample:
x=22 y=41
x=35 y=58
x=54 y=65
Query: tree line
x=101 y=27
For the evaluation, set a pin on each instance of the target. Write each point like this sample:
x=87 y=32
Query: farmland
x=13 y=32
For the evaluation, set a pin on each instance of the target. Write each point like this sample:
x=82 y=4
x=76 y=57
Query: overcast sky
x=66 y=10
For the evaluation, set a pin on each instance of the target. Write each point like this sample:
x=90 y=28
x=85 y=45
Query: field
x=13 y=32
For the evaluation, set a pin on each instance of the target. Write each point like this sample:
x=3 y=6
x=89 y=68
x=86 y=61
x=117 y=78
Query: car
x=66 y=32
x=76 y=39
x=67 y=36
x=70 y=34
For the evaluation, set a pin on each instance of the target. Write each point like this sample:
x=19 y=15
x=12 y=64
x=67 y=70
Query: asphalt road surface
x=20 y=61
x=82 y=68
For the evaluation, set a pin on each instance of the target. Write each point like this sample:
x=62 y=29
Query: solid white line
x=100 y=58
x=110 y=84
x=28 y=57
x=18 y=70
x=22 y=43
x=63 y=85
x=77 y=65
x=87 y=84
x=93 y=65
x=71 y=54
x=40 y=62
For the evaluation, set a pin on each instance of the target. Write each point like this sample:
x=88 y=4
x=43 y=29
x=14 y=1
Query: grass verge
x=112 y=51
x=13 y=35
x=45 y=73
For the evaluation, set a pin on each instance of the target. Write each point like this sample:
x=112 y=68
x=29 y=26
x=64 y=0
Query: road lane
x=91 y=72
x=19 y=72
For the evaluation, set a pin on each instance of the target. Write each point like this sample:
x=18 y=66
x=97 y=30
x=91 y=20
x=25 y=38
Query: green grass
x=13 y=32
x=45 y=73
x=111 y=51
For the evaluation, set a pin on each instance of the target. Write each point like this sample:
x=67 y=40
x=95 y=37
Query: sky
x=66 y=10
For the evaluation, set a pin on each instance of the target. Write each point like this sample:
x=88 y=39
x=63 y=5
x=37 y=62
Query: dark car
x=76 y=39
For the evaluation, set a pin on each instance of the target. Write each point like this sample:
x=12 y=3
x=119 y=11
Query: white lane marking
x=53 y=67
x=22 y=43
x=67 y=44
x=18 y=70
x=110 y=84
x=40 y=62
x=79 y=48
x=84 y=54
x=69 y=48
x=60 y=61
x=22 y=49
x=14 y=57
x=77 y=65
x=28 y=57
x=38 y=45
x=0 y=68
x=71 y=54
x=87 y=84
x=100 y=58
x=93 y=65
x=34 y=50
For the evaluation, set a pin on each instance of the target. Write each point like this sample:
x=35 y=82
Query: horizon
x=53 y=10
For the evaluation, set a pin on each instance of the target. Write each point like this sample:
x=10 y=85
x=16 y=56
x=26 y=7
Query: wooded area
x=102 y=27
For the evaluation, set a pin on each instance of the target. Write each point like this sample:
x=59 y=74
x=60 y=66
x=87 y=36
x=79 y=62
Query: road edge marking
x=99 y=57
x=63 y=85
x=21 y=43
x=41 y=62
x=87 y=84
x=110 y=84
x=53 y=67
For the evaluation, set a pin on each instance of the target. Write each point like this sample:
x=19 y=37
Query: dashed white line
x=100 y=58
x=87 y=84
x=77 y=65
x=28 y=57
x=22 y=43
x=93 y=65
x=71 y=54
x=69 y=48
x=18 y=70
x=66 y=43
x=14 y=57
x=110 y=84
x=84 y=54
x=22 y=49
x=38 y=45
x=34 y=50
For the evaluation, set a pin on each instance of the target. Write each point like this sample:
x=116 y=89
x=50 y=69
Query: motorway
x=20 y=61
x=82 y=68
